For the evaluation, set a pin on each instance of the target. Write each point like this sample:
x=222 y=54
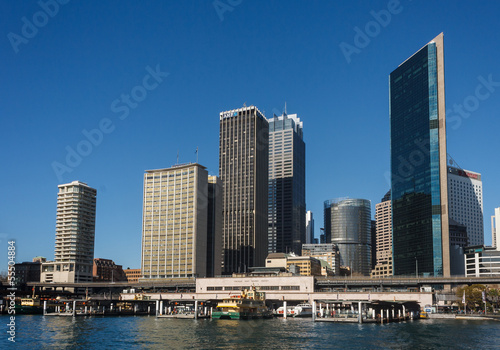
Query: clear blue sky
x=69 y=74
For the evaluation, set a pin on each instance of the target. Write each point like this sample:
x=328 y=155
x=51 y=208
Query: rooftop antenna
x=177 y=157
x=245 y=104
x=285 y=107
x=196 y=154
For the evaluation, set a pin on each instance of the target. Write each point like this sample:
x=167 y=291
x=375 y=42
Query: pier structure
x=363 y=311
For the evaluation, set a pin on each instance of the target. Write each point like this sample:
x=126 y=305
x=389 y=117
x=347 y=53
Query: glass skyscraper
x=287 y=197
x=418 y=164
x=348 y=225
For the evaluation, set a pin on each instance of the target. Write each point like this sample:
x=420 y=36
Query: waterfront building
x=243 y=170
x=304 y=265
x=214 y=227
x=458 y=242
x=373 y=236
x=326 y=252
x=309 y=227
x=132 y=275
x=419 y=187
x=298 y=265
x=481 y=261
x=287 y=198
x=75 y=234
x=495 y=229
x=174 y=228
x=105 y=270
x=383 y=218
x=465 y=197
x=348 y=226
x=26 y=272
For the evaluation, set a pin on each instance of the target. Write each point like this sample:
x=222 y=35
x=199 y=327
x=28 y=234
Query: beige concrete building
x=133 y=275
x=383 y=218
x=75 y=233
x=326 y=252
x=174 y=229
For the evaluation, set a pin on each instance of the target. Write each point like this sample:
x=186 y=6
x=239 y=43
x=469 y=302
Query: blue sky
x=71 y=73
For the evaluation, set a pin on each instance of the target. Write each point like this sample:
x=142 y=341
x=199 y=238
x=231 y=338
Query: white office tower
x=495 y=229
x=309 y=227
x=465 y=195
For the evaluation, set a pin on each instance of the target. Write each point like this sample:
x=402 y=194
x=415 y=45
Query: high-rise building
x=383 y=218
x=75 y=235
x=309 y=227
x=495 y=229
x=287 y=198
x=243 y=170
x=465 y=198
x=348 y=224
x=174 y=222
x=420 y=229
x=214 y=231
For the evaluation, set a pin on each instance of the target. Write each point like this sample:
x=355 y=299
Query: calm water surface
x=40 y=332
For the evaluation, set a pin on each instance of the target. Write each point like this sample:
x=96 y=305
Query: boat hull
x=224 y=315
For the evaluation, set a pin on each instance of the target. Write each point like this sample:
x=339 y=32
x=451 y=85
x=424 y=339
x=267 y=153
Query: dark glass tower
x=243 y=168
x=287 y=198
x=418 y=164
x=348 y=224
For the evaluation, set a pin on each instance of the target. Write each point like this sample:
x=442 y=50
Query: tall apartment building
x=243 y=170
x=465 y=197
x=348 y=225
x=309 y=227
x=383 y=218
x=75 y=235
x=419 y=164
x=495 y=229
x=214 y=227
x=174 y=222
x=287 y=198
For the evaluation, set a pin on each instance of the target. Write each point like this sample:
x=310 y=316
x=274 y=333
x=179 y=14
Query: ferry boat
x=301 y=310
x=249 y=304
x=29 y=306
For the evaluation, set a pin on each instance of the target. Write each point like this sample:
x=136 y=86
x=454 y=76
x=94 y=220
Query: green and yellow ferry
x=249 y=304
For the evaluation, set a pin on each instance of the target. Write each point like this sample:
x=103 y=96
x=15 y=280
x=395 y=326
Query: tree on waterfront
x=493 y=296
x=473 y=296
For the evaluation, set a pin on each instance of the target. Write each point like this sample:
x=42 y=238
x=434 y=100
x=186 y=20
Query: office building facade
x=243 y=171
x=495 y=229
x=309 y=227
x=214 y=227
x=420 y=229
x=75 y=235
x=465 y=197
x=287 y=199
x=348 y=225
x=327 y=252
x=383 y=218
x=174 y=222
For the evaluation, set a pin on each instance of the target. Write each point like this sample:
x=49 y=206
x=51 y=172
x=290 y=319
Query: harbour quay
x=334 y=299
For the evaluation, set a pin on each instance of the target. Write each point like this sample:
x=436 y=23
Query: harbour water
x=42 y=332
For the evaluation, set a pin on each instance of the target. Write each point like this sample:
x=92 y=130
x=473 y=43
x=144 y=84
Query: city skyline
x=54 y=94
